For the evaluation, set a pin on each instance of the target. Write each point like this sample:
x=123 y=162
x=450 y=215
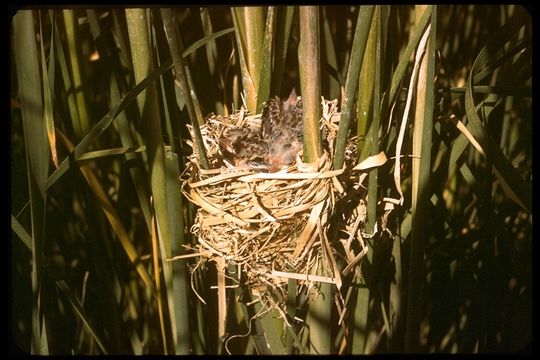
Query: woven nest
x=274 y=226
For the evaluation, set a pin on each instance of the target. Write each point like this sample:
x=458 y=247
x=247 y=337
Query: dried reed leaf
x=419 y=54
x=371 y=162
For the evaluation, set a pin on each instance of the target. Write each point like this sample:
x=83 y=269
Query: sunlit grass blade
x=21 y=232
x=66 y=76
x=94 y=155
x=30 y=85
x=37 y=153
x=48 y=115
x=83 y=125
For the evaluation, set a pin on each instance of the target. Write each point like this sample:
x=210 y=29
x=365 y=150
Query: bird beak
x=291 y=101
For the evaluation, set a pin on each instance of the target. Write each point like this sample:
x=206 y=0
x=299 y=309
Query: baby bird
x=282 y=129
x=276 y=144
x=244 y=148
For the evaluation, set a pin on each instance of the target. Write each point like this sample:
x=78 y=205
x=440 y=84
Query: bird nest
x=275 y=225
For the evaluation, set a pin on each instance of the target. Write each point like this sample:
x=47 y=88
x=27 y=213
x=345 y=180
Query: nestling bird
x=244 y=148
x=282 y=129
x=276 y=144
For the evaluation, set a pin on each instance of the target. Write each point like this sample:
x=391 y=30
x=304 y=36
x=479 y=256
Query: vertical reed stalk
x=310 y=83
x=37 y=162
x=148 y=105
x=421 y=171
x=357 y=54
x=81 y=124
